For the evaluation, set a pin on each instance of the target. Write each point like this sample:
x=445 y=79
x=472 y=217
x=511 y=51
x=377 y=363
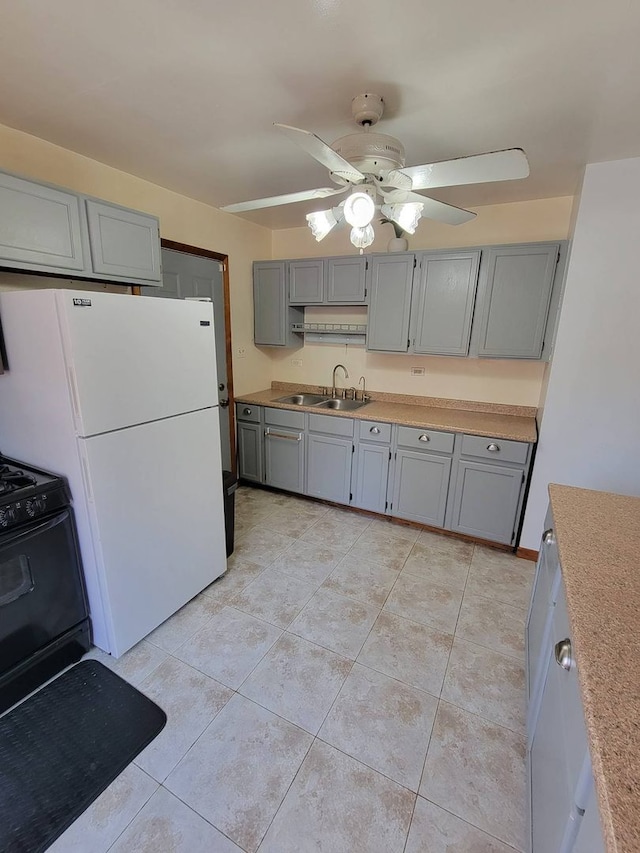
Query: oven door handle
x=30 y=532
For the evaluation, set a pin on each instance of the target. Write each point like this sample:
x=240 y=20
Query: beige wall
x=501 y=381
x=181 y=219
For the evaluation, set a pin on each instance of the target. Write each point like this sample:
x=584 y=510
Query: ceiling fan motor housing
x=371 y=153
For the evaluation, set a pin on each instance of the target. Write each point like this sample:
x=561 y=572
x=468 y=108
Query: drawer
x=500 y=449
x=330 y=425
x=247 y=412
x=375 y=431
x=426 y=439
x=284 y=417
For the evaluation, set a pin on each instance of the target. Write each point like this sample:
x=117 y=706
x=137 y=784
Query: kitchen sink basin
x=341 y=405
x=303 y=399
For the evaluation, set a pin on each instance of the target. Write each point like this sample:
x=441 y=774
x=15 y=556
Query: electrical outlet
x=296 y=362
x=241 y=352
x=417 y=371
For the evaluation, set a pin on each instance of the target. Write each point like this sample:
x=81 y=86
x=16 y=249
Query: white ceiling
x=184 y=92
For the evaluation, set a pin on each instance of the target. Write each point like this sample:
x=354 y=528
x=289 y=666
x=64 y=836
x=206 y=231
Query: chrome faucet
x=346 y=376
x=365 y=396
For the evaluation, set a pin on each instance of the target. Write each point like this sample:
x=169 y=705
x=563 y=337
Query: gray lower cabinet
x=420 y=487
x=272 y=315
x=486 y=500
x=443 y=302
x=250 y=452
x=370 y=476
x=345 y=280
x=306 y=282
x=40 y=227
x=589 y=838
x=125 y=244
x=515 y=287
x=390 y=284
x=284 y=458
x=329 y=467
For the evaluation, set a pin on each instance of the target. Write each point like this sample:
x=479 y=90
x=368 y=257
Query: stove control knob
x=7 y=515
x=4 y=521
x=31 y=507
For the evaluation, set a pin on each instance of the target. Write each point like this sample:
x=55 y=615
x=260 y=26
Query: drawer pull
x=493 y=448
x=423 y=437
x=563 y=654
x=246 y=411
x=270 y=434
x=548 y=537
x=375 y=430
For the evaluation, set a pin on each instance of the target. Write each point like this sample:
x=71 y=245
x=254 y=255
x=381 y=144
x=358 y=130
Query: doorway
x=189 y=272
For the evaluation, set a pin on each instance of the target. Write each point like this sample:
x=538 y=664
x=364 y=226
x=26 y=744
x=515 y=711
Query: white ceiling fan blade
x=289 y=198
x=432 y=209
x=322 y=152
x=508 y=165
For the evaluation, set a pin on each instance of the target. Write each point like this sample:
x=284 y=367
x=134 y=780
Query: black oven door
x=41 y=587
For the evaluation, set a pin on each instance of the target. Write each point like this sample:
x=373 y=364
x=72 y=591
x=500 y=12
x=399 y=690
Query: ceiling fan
x=371 y=167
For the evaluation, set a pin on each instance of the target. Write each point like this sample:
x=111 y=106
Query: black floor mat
x=63 y=746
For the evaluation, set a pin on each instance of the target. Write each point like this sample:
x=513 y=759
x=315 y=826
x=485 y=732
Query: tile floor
x=349 y=685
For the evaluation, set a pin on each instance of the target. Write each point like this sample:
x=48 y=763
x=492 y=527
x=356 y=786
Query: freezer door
x=155 y=500
x=132 y=360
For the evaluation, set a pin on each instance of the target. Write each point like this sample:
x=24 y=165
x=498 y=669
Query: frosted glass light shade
x=359 y=209
x=362 y=237
x=407 y=215
x=321 y=223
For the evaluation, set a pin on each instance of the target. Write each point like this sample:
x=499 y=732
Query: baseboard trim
x=527 y=554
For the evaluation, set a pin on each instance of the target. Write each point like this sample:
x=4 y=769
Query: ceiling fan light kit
x=372 y=165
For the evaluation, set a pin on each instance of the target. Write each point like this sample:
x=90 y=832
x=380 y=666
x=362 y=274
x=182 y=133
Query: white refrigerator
x=118 y=393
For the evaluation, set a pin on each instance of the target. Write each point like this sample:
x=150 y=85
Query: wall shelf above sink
x=343 y=333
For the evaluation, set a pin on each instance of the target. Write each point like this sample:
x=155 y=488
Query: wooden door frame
x=224 y=260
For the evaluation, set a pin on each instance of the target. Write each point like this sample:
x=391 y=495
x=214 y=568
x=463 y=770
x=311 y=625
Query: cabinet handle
x=270 y=434
x=375 y=430
x=548 y=537
x=423 y=437
x=493 y=448
x=563 y=654
x=246 y=411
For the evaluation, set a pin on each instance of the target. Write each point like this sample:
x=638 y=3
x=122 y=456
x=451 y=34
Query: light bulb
x=362 y=237
x=321 y=223
x=407 y=215
x=359 y=209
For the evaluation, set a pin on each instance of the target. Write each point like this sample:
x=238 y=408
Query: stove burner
x=13 y=478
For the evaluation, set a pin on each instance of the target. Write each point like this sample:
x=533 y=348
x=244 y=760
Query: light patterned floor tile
x=487 y=683
x=261 y=545
x=298 y=681
x=383 y=723
x=229 y=646
x=502 y=576
x=337 y=804
x=414 y=653
x=433 y=830
x=492 y=624
x=393 y=528
x=364 y=581
x=443 y=560
x=335 y=622
x=184 y=624
x=237 y=773
x=310 y=563
x=275 y=597
x=190 y=700
x=239 y=574
x=476 y=770
x=336 y=529
x=98 y=827
x=423 y=601
x=135 y=665
x=166 y=824
x=382 y=547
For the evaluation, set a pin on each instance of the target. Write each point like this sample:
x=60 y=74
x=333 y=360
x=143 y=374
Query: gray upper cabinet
x=40 y=227
x=125 y=244
x=272 y=315
x=346 y=280
x=306 y=282
x=443 y=304
x=390 y=282
x=516 y=284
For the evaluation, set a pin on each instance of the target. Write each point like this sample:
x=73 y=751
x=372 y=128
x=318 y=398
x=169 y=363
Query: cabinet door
x=370 y=477
x=486 y=500
x=589 y=839
x=250 y=451
x=39 y=227
x=329 y=468
x=345 y=278
x=124 y=243
x=269 y=303
x=284 y=459
x=517 y=283
x=390 y=285
x=446 y=296
x=306 y=282
x=421 y=485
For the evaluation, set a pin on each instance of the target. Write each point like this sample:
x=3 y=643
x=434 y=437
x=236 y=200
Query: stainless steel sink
x=303 y=399
x=341 y=405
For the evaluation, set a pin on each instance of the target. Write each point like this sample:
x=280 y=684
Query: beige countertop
x=598 y=536
x=493 y=424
